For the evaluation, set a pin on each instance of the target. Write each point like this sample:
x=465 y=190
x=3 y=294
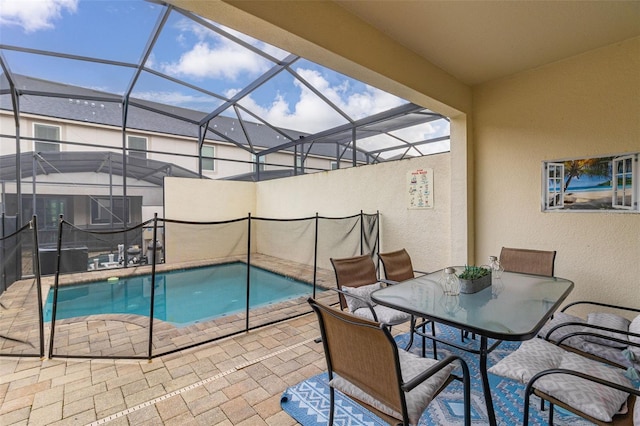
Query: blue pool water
x=182 y=297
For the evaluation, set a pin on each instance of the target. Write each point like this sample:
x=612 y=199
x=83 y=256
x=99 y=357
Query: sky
x=119 y=30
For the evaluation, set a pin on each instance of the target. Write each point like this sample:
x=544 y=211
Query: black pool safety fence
x=21 y=324
x=116 y=294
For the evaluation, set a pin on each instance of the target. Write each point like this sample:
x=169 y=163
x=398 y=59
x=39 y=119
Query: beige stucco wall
x=381 y=187
x=199 y=200
x=425 y=233
x=584 y=106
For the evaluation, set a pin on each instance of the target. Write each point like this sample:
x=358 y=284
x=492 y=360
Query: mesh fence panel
x=104 y=311
x=21 y=332
x=205 y=301
x=102 y=287
x=286 y=248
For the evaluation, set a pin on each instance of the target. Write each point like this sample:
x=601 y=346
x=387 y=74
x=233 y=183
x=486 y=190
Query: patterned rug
x=308 y=401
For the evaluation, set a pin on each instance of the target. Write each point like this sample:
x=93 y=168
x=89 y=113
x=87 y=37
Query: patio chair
x=526 y=261
x=356 y=279
x=603 y=336
x=590 y=389
x=364 y=363
x=398 y=267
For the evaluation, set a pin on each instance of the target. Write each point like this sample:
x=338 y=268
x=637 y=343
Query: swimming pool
x=182 y=297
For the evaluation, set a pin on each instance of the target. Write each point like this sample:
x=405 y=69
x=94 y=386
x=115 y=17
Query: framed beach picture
x=592 y=184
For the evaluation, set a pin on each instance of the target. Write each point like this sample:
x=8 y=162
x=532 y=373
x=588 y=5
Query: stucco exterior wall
x=382 y=187
x=200 y=200
x=584 y=106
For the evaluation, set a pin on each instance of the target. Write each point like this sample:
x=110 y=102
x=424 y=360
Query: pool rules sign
x=420 y=189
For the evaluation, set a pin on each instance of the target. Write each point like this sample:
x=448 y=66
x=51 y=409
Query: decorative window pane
x=623 y=182
x=208 y=153
x=48 y=133
x=555 y=185
x=139 y=144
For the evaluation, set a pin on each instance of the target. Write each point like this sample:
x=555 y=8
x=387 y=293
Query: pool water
x=182 y=297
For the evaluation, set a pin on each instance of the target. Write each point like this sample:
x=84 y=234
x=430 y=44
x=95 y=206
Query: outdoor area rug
x=308 y=401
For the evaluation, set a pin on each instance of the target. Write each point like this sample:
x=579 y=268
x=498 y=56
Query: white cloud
x=311 y=114
x=34 y=15
x=223 y=61
x=212 y=56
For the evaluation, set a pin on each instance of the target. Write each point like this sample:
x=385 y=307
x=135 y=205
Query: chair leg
x=412 y=328
x=433 y=333
x=331 y=404
x=525 y=418
x=550 y=414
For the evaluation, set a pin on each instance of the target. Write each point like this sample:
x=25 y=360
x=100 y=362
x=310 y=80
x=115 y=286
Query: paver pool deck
x=232 y=381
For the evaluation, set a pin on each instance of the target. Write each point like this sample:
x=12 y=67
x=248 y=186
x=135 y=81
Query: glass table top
x=514 y=307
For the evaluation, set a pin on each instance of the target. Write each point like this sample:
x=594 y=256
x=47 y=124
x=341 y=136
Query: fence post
x=3 y=258
x=246 y=325
x=153 y=283
x=36 y=271
x=56 y=281
x=361 y=233
x=315 y=258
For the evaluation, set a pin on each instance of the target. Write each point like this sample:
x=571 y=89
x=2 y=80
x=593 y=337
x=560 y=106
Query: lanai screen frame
x=345 y=137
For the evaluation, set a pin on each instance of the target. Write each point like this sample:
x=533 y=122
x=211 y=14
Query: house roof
x=225 y=112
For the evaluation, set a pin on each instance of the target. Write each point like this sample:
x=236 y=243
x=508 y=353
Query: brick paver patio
x=233 y=381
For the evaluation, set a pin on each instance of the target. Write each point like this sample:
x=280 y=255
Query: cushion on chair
x=606 y=352
x=529 y=359
x=417 y=400
x=385 y=315
x=561 y=318
x=593 y=399
x=608 y=320
x=353 y=304
x=634 y=327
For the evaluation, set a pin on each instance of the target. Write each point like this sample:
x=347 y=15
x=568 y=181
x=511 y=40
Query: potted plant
x=474 y=279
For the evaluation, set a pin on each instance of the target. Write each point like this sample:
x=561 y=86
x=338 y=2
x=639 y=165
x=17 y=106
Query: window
x=262 y=160
x=207 y=161
x=104 y=212
x=139 y=144
x=596 y=184
x=48 y=133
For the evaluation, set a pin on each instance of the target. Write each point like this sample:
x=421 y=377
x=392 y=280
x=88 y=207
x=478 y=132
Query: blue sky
x=119 y=30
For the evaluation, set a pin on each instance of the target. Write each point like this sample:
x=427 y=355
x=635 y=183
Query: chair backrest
x=397 y=265
x=526 y=261
x=354 y=272
x=362 y=352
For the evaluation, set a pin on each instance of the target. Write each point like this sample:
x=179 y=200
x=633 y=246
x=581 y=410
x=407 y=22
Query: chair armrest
x=421 y=272
x=362 y=299
x=389 y=282
x=592 y=333
x=606 y=305
x=588 y=377
x=409 y=385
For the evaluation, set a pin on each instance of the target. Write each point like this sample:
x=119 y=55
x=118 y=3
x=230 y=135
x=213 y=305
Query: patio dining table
x=513 y=308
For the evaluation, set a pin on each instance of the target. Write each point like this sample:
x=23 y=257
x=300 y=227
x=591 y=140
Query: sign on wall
x=420 y=189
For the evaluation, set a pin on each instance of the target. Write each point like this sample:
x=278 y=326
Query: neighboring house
x=71 y=152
